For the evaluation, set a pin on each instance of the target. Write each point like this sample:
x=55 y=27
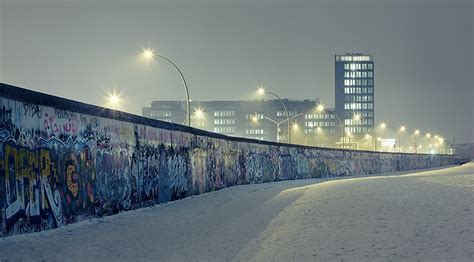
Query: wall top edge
x=33 y=97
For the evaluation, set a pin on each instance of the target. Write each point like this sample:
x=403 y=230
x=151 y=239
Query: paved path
x=426 y=215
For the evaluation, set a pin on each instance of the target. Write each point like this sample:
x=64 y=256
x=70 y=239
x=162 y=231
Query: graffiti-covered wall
x=63 y=161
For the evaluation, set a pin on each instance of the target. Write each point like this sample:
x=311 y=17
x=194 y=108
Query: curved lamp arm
x=286 y=111
x=188 y=115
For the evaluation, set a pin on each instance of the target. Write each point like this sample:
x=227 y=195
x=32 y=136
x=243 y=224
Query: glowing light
x=383 y=125
x=319 y=129
x=357 y=117
x=113 y=99
x=148 y=54
x=403 y=128
x=260 y=90
x=367 y=136
x=254 y=118
x=320 y=108
x=428 y=135
x=199 y=113
x=417 y=132
x=295 y=126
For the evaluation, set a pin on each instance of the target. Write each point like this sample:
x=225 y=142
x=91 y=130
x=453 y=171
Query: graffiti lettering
x=31 y=110
x=68 y=166
x=5 y=114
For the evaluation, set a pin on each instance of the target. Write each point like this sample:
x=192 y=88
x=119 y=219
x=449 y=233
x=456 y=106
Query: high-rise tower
x=354 y=83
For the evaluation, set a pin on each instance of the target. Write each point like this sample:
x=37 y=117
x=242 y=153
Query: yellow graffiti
x=45 y=163
x=73 y=187
x=29 y=162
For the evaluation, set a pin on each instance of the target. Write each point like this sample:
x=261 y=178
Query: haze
x=423 y=52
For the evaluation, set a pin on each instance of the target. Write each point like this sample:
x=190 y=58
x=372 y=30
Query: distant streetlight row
x=320 y=108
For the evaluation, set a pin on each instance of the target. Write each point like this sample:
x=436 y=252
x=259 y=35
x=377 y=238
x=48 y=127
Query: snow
x=426 y=215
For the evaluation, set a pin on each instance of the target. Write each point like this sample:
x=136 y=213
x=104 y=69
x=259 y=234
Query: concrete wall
x=62 y=161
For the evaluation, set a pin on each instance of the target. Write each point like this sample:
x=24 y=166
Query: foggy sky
x=423 y=52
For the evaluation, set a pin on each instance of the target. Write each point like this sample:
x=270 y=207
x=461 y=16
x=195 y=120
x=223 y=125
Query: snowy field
x=425 y=216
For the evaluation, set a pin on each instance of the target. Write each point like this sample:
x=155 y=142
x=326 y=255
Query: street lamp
x=255 y=119
x=402 y=129
x=415 y=136
x=149 y=55
x=369 y=137
x=441 y=142
x=383 y=125
x=320 y=108
x=261 y=91
x=355 y=118
x=114 y=99
x=198 y=117
x=258 y=116
x=199 y=113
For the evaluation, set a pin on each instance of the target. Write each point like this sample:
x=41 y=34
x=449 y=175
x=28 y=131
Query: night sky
x=423 y=52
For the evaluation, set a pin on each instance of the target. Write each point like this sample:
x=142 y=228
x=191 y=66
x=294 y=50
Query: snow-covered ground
x=419 y=216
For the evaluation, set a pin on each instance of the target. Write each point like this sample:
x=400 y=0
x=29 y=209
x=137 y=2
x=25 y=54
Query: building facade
x=267 y=120
x=354 y=89
x=257 y=119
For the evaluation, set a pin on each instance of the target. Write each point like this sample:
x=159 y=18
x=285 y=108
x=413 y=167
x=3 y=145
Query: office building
x=257 y=119
x=354 y=89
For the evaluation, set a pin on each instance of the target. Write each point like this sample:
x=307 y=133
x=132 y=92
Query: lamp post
x=320 y=108
x=277 y=123
x=262 y=91
x=148 y=54
x=384 y=125
x=440 y=143
x=114 y=100
x=198 y=116
x=428 y=138
x=415 y=134
x=374 y=139
x=402 y=129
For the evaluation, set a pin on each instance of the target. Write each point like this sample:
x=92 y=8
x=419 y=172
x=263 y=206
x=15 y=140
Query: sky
x=423 y=52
